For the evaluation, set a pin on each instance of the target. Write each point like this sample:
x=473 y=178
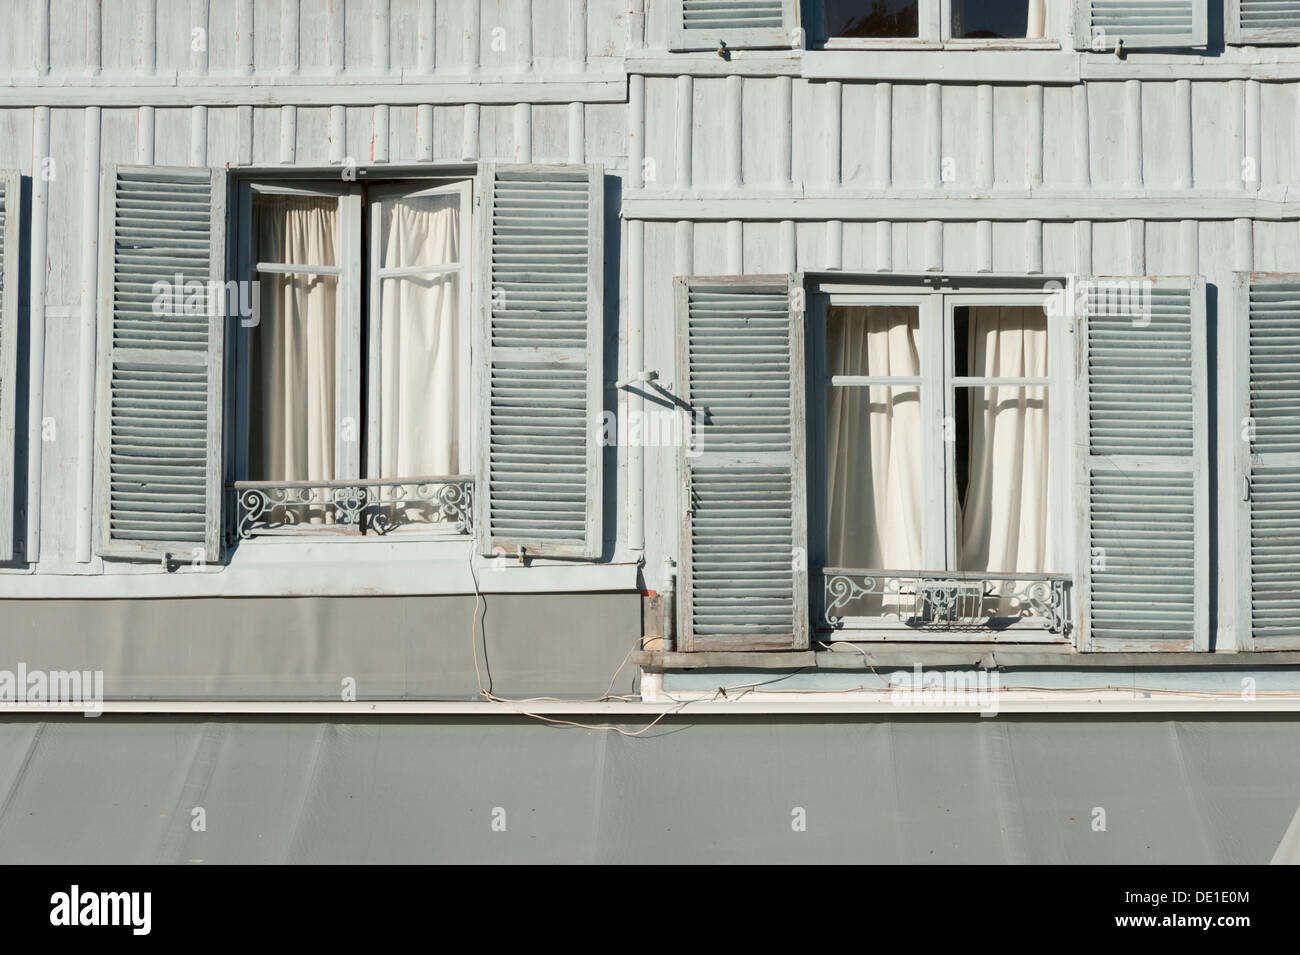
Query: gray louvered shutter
x=541 y=339
x=740 y=24
x=740 y=370
x=1267 y=384
x=1260 y=22
x=1141 y=24
x=9 y=222
x=1142 y=435
x=158 y=417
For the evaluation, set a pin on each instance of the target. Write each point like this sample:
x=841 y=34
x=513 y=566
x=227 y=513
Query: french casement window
x=1261 y=22
x=852 y=22
x=1142 y=434
x=540 y=338
x=9 y=255
x=942 y=476
x=1267 y=458
x=1105 y=25
x=734 y=24
x=159 y=388
x=353 y=387
x=740 y=370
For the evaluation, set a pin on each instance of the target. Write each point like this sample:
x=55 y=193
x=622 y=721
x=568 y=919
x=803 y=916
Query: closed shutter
x=1260 y=22
x=9 y=221
x=740 y=24
x=1142 y=435
x=159 y=412
x=740 y=369
x=1141 y=24
x=541 y=337
x=1268 y=452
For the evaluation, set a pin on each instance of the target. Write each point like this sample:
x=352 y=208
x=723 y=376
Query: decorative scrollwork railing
x=948 y=600
x=371 y=506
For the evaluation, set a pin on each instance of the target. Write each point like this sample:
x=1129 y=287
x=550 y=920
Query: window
x=852 y=22
x=939 y=439
x=355 y=416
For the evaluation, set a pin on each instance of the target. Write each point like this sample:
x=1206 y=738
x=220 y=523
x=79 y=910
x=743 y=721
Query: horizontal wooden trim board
x=297 y=90
x=1054 y=206
x=985 y=657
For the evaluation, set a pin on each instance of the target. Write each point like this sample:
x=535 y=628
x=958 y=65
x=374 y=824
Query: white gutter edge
x=1090 y=705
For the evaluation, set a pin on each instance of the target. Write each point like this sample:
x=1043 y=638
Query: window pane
x=291 y=421
x=871 y=18
x=873 y=453
x=419 y=338
x=993 y=19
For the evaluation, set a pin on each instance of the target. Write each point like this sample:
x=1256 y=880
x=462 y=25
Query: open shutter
x=9 y=221
x=1260 y=22
x=1142 y=435
x=1141 y=24
x=158 y=417
x=541 y=337
x=1268 y=454
x=740 y=24
x=740 y=369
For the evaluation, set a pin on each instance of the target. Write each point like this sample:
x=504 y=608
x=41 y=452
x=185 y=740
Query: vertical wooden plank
x=1252 y=170
x=1183 y=171
x=735 y=247
x=473 y=23
x=1133 y=134
x=577 y=133
x=338 y=133
x=201 y=19
x=684 y=129
x=95 y=39
x=244 y=38
x=526 y=36
x=38 y=283
x=427 y=44
x=144 y=139
x=380 y=141
x=684 y=248
x=290 y=21
x=635 y=365
x=1082 y=169
x=934 y=246
x=578 y=34
x=789 y=250
x=884 y=134
x=1034 y=152
x=1235 y=140
x=523 y=122
x=835 y=244
x=288 y=133
x=380 y=38
x=834 y=134
x=1137 y=246
x=43 y=40
x=784 y=140
x=934 y=134
x=984 y=245
x=198 y=135
x=1243 y=245
x=1034 y=247
x=984 y=138
x=884 y=246
x=1189 y=252
x=86 y=359
x=733 y=176
x=636 y=133
x=469 y=147
x=338 y=38
x=244 y=123
x=424 y=131
x=1083 y=247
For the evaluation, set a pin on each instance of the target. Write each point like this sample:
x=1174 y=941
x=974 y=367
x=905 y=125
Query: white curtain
x=292 y=426
x=873 y=438
x=1004 y=522
x=419 y=367
x=1037 y=22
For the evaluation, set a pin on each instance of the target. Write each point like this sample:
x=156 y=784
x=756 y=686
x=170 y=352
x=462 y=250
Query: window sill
x=912 y=43
x=957 y=62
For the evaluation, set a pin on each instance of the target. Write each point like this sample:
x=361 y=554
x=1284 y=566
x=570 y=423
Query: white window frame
x=354 y=322
x=934 y=29
x=938 y=384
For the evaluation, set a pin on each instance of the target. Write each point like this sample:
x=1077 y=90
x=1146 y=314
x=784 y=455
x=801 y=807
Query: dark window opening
x=871 y=18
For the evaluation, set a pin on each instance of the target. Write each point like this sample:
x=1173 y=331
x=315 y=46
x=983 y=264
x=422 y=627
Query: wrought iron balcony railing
x=944 y=600
x=441 y=504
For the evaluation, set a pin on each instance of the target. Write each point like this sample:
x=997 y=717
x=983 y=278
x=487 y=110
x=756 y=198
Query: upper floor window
x=933 y=21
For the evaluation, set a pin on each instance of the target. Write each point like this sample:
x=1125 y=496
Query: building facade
x=546 y=353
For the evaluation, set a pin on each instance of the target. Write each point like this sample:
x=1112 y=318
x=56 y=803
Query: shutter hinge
x=1245 y=487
